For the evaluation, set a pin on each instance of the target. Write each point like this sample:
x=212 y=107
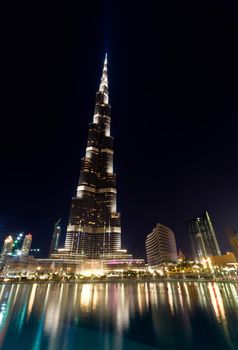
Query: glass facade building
x=94 y=227
x=202 y=237
x=55 y=238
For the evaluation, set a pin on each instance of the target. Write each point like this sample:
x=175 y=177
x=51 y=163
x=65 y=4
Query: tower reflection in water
x=116 y=316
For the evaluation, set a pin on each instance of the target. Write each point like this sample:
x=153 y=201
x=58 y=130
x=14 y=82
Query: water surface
x=118 y=316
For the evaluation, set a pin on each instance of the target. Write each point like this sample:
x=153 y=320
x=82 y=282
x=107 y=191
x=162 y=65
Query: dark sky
x=173 y=91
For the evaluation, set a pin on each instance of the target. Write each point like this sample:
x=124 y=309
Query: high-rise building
x=7 y=246
x=160 y=246
x=55 y=238
x=17 y=243
x=202 y=237
x=26 y=245
x=232 y=236
x=94 y=227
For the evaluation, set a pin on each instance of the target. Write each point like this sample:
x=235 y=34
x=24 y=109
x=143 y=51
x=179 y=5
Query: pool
x=119 y=316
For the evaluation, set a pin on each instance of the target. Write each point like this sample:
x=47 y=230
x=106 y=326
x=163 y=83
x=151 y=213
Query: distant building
x=234 y=245
x=17 y=243
x=55 y=238
x=181 y=256
x=160 y=246
x=26 y=245
x=223 y=260
x=233 y=240
x=7 y=246
x=202 y=237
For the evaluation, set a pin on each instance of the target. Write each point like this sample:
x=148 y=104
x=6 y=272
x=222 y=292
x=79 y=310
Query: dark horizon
x=173 y=93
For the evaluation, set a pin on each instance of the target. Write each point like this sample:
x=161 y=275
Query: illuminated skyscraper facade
x=160 y=246
x=7 y=246
x=55 y=238
x=202 y=237
x=94 y=227
x=26 y=245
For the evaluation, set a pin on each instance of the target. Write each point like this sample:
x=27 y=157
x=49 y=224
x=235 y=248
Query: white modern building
x=160 y=246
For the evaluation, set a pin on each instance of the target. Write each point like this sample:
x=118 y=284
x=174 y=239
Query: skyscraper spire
x=95 y=206
x=104 y=80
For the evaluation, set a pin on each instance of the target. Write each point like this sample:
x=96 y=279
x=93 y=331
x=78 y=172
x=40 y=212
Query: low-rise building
x=223 y=260
x=27 y=265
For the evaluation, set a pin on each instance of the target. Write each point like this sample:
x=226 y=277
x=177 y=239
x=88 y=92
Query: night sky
x=173 y=92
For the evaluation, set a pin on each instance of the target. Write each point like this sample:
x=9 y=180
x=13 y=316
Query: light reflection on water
x=170 y=315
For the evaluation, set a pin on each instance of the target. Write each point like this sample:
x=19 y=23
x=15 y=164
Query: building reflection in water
x=31 y=300
x=53 y=311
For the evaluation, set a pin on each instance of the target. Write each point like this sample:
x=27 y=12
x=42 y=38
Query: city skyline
x=175 y=131
x=118 y=181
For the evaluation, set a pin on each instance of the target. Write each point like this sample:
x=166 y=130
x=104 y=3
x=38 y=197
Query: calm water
x=177 y=315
